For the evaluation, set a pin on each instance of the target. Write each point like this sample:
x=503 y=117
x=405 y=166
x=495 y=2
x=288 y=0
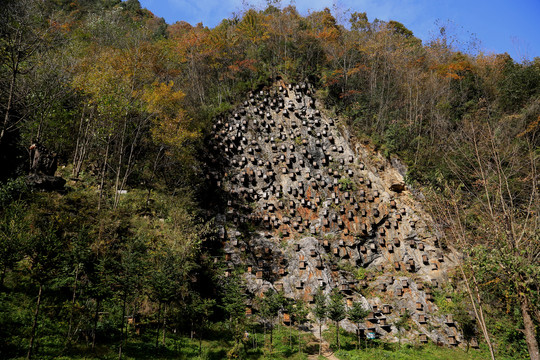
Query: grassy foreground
x=425 y=352
x=376 y=349
x=286 y=345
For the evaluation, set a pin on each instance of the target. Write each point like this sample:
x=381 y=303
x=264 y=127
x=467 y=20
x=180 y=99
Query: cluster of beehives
x=319 y=210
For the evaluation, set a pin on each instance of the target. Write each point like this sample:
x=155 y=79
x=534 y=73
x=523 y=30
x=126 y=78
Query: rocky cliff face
x=308 y=208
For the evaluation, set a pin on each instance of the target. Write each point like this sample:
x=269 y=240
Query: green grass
x=425 y=352
x=181 y=347
x=285 y=346
x=376 y=349
x=185 y=348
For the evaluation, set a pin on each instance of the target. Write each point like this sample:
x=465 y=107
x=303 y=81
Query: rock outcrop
x=309 y=208
x=43 y=161
x=43 y=168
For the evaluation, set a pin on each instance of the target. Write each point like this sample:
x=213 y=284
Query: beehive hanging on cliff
x=319 y=209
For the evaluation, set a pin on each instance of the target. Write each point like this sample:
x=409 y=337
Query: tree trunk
x=103 y=171
x=8 y=106
x=158 y=324
x=154 y=168
x=122 y=329
x=119 y=166
x=320 y=338
x=94 y=330
x=530 y=329
x=264 y=334
x=290 y=336
x=34 y=325
x=337 y=335
x=83 y=143
x=77 y=143
x=478 y=311
x=3 y=277
x=73 y=297
x=164 y=325
x=271 y=335
x=200 y=340
x=129 y=163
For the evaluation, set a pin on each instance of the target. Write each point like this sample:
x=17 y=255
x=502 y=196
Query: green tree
x=165 y=282
x=300 y=314
x=357 y=314
x=402 y=323
x=497 y=224
x=289 y=308
x=23 y=34
x=45 y=253
x=518 y=83
x=202 y=309
x=13 y=236
x=99 y=288
x=234 y=303
x=320 y=311
x=131 y=265
x=336 y=311
x=76 y=268
x=270 y=306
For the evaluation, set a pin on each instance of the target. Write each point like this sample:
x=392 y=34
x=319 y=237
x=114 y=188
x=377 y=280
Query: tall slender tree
x=403 y=323
x=336 y=311
x=320 y=311
x=300 y=314
x=270 y=306
x=357 y=314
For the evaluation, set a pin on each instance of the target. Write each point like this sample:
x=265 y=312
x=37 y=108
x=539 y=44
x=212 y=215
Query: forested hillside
x=108 y=240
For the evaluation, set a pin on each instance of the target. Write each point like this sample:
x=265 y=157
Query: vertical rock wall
x=306 y=209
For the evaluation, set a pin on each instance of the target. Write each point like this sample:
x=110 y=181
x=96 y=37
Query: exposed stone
x=324 y=206
x=46 y=182
x=398 y=187
x=43 y=161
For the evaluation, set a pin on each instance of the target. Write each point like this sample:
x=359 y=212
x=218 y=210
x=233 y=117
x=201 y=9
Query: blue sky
x=499 y=25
